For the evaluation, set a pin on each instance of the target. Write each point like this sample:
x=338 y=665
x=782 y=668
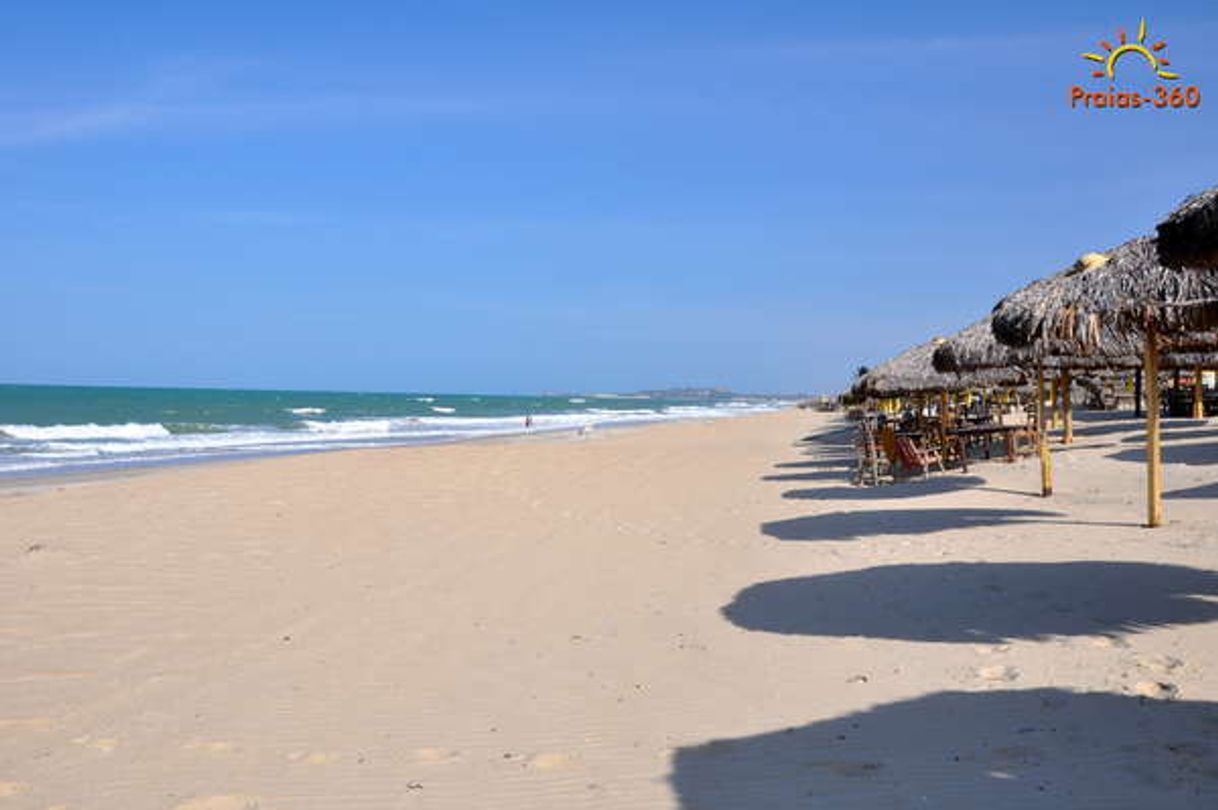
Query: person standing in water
x=528 y=421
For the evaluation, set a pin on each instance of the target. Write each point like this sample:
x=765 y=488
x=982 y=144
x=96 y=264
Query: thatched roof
x=913 y=372
x=975 y=348
x=1189 y=235
x=1189 y=360
x=1101 y=305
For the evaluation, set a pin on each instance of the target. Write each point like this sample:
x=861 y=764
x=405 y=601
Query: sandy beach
x=693 y=615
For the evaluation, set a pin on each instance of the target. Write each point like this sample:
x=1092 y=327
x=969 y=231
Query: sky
x=532 y=197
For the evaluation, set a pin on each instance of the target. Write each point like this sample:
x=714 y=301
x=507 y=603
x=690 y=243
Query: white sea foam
x=353 y=427
x=38 y=433
x=31 y=447
x=306 y=411
x=443 y=409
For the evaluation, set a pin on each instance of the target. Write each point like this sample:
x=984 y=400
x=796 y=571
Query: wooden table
x=1009 y=434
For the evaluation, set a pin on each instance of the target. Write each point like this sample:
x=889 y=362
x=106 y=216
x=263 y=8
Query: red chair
x=915 y=457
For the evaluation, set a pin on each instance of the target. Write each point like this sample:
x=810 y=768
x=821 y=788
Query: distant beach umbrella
x=1188 y=237
x=913 y=372
x=975 y=348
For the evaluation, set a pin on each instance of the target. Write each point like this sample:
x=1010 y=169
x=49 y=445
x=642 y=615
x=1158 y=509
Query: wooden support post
x=1154 y=465
x=873 y=452
x=1042 y=439
x=1051 y=417
x=1137 y=394
x=1198 y=395
x=1067 y=409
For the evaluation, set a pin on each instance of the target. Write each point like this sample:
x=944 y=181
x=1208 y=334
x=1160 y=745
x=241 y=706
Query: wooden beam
x=1154 y=464
x=1042 y=438
x=1051 y=420
x=1198 y=395
x=1067 y=409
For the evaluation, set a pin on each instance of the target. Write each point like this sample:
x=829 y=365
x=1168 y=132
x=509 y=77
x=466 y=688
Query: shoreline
x=20 y=479
x=36 y=479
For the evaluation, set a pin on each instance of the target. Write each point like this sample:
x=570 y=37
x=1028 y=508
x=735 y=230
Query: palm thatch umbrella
x=913 y=372
x=1106 y=304
x=1188 y=237
x=976 y=348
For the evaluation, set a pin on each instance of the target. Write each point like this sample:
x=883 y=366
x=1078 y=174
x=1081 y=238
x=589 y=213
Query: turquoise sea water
x=61 y=428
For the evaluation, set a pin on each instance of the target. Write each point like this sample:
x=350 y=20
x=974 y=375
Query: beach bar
x=1108 y=304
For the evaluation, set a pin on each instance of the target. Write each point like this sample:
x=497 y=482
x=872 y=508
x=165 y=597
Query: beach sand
x=695 y=615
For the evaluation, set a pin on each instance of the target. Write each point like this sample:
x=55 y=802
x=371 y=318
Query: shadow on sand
x=843 y=461
x=1093 y=423
x=981 y=602
x=838 y=436
x=1102 y=423
x=1192 y=454
x=1176 y=435
x=1000 y=750
x=854 y=524
x=901 y=489
x=1200 y=491
x=837 y=473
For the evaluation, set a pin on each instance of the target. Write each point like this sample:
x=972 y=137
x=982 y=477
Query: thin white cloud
x=64 y=124
x=260 y=217
x=845 y=52
x=204 y=96
x=126 y=117
x=1022 y=45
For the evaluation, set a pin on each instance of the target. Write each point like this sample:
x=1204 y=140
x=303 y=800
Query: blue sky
x=555 y=196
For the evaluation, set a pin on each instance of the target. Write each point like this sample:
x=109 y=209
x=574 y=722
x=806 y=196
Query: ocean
x=51 y=428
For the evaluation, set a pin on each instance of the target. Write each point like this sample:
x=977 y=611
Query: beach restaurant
x=1142 y=308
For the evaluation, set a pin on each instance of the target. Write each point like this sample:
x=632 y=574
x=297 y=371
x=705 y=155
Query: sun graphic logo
x=1151 y=54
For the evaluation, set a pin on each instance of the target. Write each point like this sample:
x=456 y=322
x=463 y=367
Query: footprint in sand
x=1159 y=690
x=103 y=744
x=998 y=674
x=313 y=757
x=551 y=762
x=1115 y=642
x=1021 y=755
x=849 y=768
x=1160 y=664
x=210 y=746
x=25 y=723
x=10 y=789
x=229 y=802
